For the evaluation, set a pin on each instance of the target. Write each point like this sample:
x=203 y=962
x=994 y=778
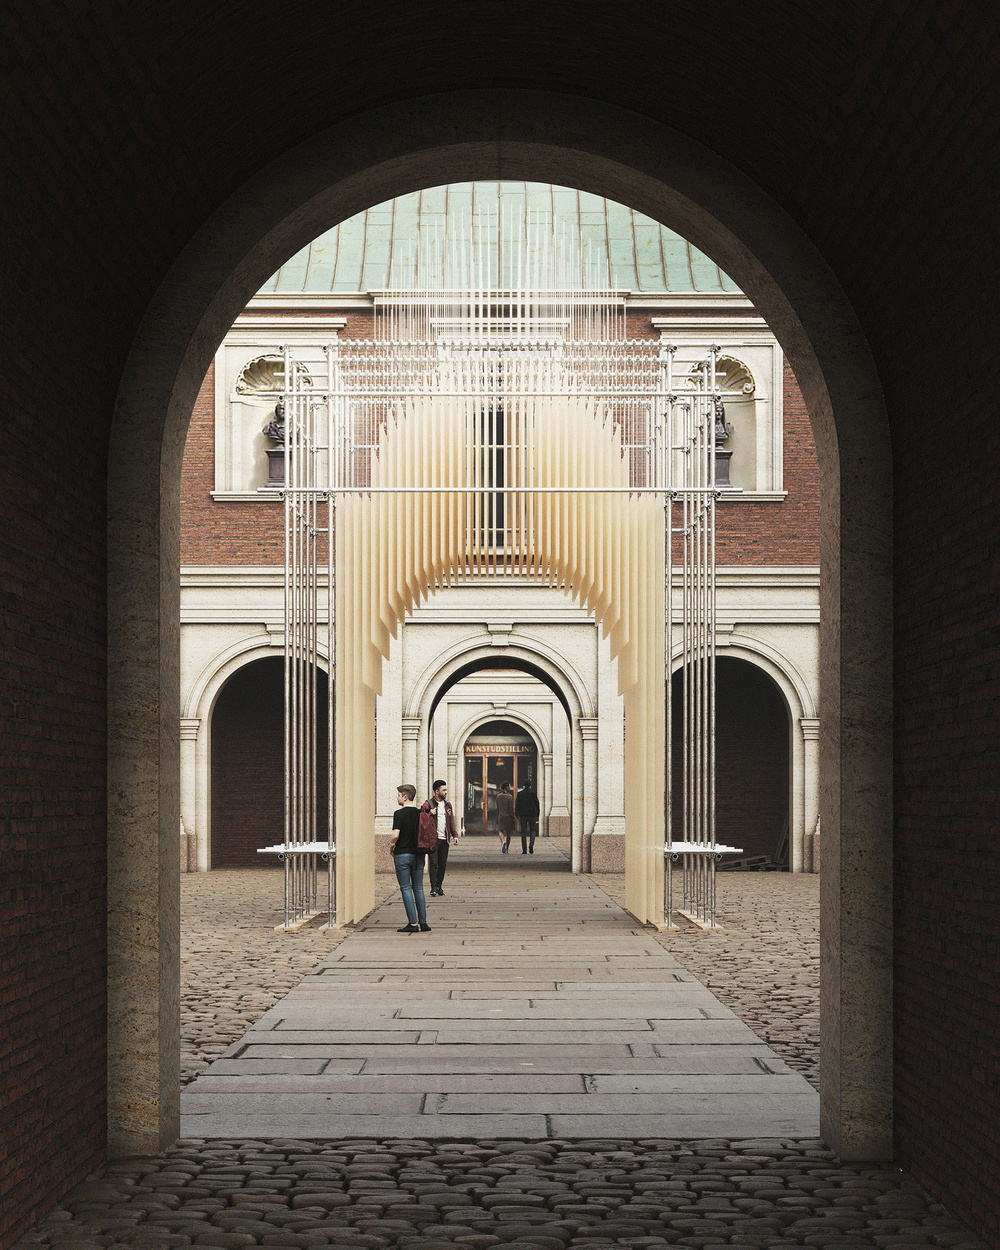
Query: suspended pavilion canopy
x=392 y=244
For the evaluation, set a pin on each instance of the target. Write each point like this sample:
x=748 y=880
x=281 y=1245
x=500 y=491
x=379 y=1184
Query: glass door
x=498 y=752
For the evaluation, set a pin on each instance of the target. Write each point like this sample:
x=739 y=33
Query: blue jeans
x=410 y=875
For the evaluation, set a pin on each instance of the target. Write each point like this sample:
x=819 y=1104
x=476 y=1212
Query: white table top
x=298 y=848
x=700 y=848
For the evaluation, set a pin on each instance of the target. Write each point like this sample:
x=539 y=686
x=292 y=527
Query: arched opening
x=630 y=159
x=753 y=763
x=472 y=683
x=247 y=764
x=753 y=783
x=499 y=664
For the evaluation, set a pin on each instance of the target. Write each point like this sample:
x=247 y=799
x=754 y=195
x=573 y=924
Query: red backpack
x=427 y=830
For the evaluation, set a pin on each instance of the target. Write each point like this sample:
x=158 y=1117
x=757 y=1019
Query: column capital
x=411 y=728
x=810 y=727
x=588 y=727
x=189 y=728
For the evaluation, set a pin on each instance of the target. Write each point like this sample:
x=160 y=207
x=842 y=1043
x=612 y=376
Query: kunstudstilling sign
x=499 y=748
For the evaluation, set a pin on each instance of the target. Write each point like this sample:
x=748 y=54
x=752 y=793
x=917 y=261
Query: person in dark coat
x=506 y=821
x=526 y=809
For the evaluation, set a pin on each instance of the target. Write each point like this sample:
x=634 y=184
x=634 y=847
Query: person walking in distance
x=526 y=810
x=408 y=860
x=506 y=822
x=439 y=807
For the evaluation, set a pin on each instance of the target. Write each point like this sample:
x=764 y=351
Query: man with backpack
x=437 y=815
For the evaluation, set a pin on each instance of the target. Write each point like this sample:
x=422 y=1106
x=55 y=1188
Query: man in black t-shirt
x=408 y=861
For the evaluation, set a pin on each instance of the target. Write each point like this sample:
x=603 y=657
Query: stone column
x=589 y=732
x=451 y=777
x=560 y=824
x=390 y=769
x=438 y=744
x=545 y=793
x=607 y=842
x=574 y=770
x=810 y=788
x=410 y=733
x=189 y=793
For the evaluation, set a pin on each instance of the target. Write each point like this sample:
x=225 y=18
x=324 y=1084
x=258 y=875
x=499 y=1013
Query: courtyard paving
x=536 y=1007
x=764 y=960
x=518 y=1192
x=763 y=963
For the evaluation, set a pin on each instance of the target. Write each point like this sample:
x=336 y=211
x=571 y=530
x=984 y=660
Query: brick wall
x=221 y=532
x=248 y=796
x=785 y=532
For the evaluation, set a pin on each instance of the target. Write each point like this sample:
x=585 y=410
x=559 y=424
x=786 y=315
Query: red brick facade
x=785 y=532
x=221 y=532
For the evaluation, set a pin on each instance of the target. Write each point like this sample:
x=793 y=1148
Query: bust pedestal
x=276 y=466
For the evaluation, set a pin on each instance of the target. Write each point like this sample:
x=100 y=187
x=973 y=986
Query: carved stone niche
x=731 y=374
x=263 y=379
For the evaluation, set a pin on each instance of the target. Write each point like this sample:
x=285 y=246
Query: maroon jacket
x=449 y=817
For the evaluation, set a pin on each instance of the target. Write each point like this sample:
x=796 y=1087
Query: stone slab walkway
x=536 y=1008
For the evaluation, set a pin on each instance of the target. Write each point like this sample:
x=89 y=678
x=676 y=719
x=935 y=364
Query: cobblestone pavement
x=763 y=962
x=368 y=1194
x=233 y=965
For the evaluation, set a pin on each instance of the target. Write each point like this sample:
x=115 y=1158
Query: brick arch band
x=373 y=157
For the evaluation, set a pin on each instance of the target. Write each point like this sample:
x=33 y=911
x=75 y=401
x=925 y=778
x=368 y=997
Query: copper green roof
x=381 y=247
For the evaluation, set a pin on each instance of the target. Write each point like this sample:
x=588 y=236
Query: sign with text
x=499 y=748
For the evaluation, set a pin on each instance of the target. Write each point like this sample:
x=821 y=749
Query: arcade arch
x=765 y=789
x=801 y=703
x=246 y=768
x=577 y=696
x=519 y=134
x=198 y=701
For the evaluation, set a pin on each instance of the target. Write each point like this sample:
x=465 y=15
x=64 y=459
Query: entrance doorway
x=499 y=751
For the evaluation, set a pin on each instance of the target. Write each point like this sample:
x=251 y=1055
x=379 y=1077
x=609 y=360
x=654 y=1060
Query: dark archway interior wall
x=875 y=126
x=248 y=767
x=752 y=749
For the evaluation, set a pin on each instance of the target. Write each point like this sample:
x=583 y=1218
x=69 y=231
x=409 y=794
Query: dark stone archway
x=753 y=760
x=847 y=150
x=628 y=158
